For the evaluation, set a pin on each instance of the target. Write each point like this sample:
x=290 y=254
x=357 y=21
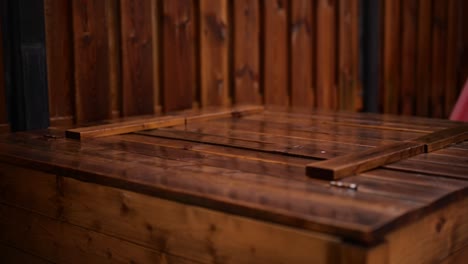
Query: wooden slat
x=452 y=86
x=58 y=25
x=439 y=59
x=423 y=64
x=326 y=49
x=91 y=49
x=431 y=168
x=443 y=138
x=4 y=127
x=59 y=242
x=302 y=53
x=115 y=80
x=246 y=72
x=14 y=255
x=275 y=53
x=391 y=56
x=183 y=230
x=157 y=10
x=349 y=85
x=137 y=57
x=214 y=40
x=348 y=165
x=156 y=122
x=179 y=54
x=408 y=56
x=313 y=150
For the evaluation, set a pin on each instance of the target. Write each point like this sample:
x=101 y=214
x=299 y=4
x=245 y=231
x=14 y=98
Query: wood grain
x=156 y=122
x=302 y=38
x=92 y=91
x=452 y=85
x=408 y=56
x=179 y=54
x=349 y=84
x=275 y=53
x=439 y=59
x=354 y=163
x=391 y=57
x=443 y=138
x=137 y=57
x=423 y=63
x=215 y=35
x=326 y=57
x=115 y=58
x=60 y=61
x=14 y=255
x=246 y=72
x=59 y=242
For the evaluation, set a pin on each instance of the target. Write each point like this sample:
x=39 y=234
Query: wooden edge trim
x=158 y=122
x=443 y=138
x=354 y=163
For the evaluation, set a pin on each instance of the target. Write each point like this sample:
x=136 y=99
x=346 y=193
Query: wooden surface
x=3 y=102
x=176 y=192
x=59 y=72
x=90 y=39
x=215 y=35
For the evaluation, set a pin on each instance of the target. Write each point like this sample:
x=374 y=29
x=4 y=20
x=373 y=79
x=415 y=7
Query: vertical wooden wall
x=3 y=107
x=423 y=42
x=118 y=58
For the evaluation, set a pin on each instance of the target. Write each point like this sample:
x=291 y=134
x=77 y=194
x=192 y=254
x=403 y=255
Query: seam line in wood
x=157 y=122
x=351 y=164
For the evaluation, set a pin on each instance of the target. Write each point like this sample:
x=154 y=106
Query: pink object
x=460 y=111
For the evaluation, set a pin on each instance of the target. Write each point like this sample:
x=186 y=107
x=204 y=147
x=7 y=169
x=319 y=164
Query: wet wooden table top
x=254 y=165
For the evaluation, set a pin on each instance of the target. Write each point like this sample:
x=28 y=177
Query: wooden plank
x=313 y=150
x=246 y=52
x=425 y=240
x=431 y=168
x=179 y=54
x=59 y=242
x=350 y=164
x=137 y=57
x=3 y=103
x=305 y=206
x=349 y=84
x=275 y=53
x=59 y=37
x=439 y=59
x=302 y=47
x=326 y=54
x=459 y=257
x=452 y=86
x=181 y=230
x=91 y=50
x=215 y=35
x=391 y=57
x=423 y=64
x=157 y=11
x=443 y=138
x=156 y=122
x=115 y=59
x=409 y=11
x=14 y=255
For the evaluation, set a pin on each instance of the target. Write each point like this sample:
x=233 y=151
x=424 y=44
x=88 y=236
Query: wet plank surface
x=255 y=166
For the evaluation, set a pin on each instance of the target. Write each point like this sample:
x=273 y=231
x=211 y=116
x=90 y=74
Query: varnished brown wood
x=302 y=38
x=59 y=38
x=326 y=57
x=354 y=163
x=275 y=53
x=423 y=64
x=115 y=59
x=14 y=255
x=391 y=56
x=91 y=56
x=439 y=57
x=246 y=72
x=408 y=55
x=137 y=58
x=156 y=122
x=215 y=35
x=179 y=54
x=443 y=138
